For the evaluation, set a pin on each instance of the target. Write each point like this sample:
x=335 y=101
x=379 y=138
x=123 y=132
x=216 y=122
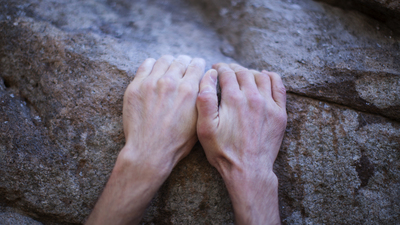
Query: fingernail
x=213 y=76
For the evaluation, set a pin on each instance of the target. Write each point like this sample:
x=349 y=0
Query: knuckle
x=279 y=115
x=206 y=98
x=132 y=93
x=187 y=88
x=255 y=99
x=280 y=89
x=234 y=96
x=166 y=83
x=148 y=85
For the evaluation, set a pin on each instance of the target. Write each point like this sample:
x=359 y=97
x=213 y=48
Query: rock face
x=65 y=65
x=386 y=11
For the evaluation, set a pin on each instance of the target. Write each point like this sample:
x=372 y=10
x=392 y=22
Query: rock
x=384 y=10
x=65 y=66
x=322 y=52
x=61 y=104
x=14 y=218
x=338 y=165
x=9 y=217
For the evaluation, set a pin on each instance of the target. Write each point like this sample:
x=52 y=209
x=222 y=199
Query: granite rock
x=321 y=51
x=10 y=216
x=64 y=66
x=386 y=11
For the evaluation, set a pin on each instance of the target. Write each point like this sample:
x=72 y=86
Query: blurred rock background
x=64 y=66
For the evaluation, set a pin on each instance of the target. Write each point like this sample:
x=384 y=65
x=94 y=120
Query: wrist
x=249 y=179
x=131 y=186
x=147 y=167
x=236 y=173
x=254 y=194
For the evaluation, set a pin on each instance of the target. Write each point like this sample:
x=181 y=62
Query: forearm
x=254 y=196
x=127 y=193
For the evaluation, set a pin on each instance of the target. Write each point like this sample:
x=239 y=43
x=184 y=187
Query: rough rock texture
x=64 y=66
x=387 y=11
x=323 y=52
x=9 y=216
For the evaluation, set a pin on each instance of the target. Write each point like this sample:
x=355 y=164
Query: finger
x=207 y=105
x=195 y=70
x=278 y=89
x=161 y=66
x=144 y=69
x=178 y=67
x=227 y=81
x=244 y=77
x=263 y=84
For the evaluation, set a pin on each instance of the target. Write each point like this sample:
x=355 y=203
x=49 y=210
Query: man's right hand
x=242 y=136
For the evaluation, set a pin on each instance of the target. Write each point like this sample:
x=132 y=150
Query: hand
x=160 y=111
x=242 y=136
x=159 y=117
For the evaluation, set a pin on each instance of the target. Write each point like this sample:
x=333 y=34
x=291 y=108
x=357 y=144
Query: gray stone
x=321 y=51
x=386 y=11
x=65 y=65
x=338 y=166
x=9 y=216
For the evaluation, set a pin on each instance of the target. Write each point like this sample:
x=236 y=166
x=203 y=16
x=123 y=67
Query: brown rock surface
x=321 y=51
x=64 y=66
x=387 y=11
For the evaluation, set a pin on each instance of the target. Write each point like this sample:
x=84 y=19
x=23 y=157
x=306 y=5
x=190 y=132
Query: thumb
x=207 y=105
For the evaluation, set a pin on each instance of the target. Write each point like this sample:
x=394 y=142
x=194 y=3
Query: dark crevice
x=6 y=83
x=343 y=105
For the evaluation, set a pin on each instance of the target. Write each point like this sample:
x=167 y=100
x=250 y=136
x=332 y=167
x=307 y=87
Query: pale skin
x=168 y=107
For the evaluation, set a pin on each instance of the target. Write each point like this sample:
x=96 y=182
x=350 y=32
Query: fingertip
x=184 y=59
x=254 y=72
x=150 y=60
x=233 y=65
x=278 y=89
x=209 y=82
x=200 y=60
x=218 y=65
x=145 y=68
x=236 y=67
x=275 y=78
x=165 y=60
x=213 y=75
x=195 y=70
